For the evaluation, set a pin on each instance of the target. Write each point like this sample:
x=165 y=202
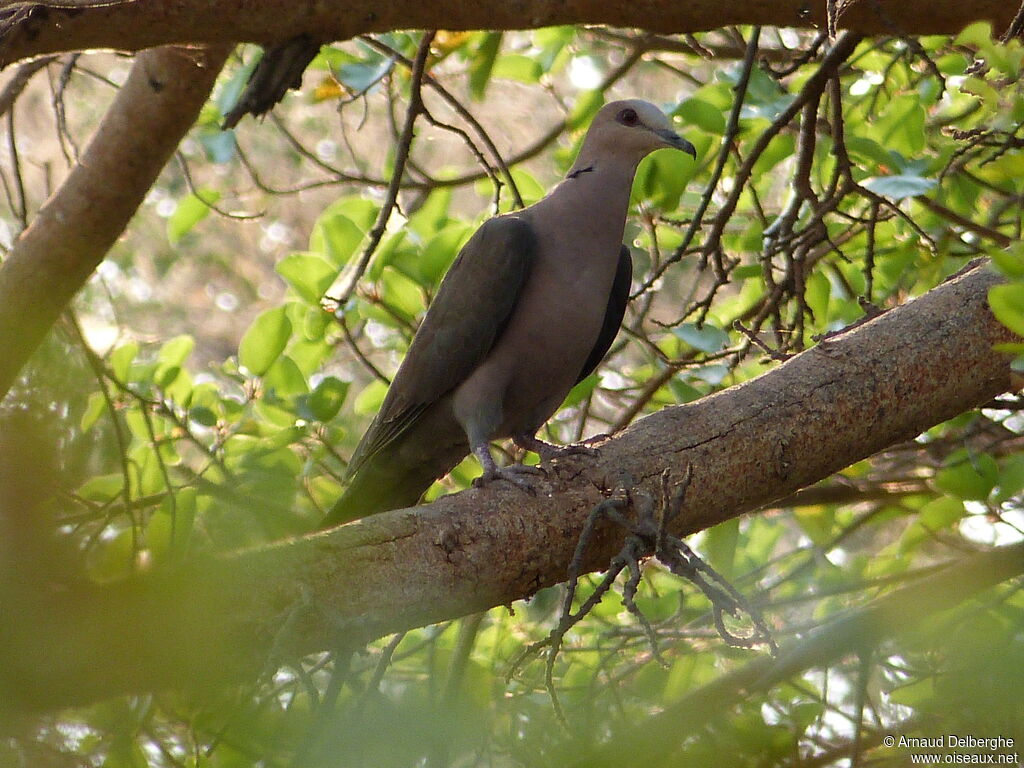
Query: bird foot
x=515 y=474
x=550 y=451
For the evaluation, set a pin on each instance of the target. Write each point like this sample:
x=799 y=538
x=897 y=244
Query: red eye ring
x=629 y=116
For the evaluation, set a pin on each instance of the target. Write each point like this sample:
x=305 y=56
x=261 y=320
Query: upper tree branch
x=73 y=231
x=851 y=396
x=32 y=28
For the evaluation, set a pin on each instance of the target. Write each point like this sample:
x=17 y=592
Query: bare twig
x=350 y=279
x=731 y=130
x=19 y=80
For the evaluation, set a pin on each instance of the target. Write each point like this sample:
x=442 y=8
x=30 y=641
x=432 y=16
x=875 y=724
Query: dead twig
x=352 y=276
x=646 y=536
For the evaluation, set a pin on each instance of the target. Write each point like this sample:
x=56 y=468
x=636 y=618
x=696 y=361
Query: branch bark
x=75 y=228
x=849 y=397
x=33 y=28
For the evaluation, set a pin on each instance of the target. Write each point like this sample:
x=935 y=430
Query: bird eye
x=628 y=117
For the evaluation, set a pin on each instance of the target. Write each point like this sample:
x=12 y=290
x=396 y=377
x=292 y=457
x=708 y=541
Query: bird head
x=632 y=128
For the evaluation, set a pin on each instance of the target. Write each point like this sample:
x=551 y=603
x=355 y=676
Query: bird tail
x=398 y=474
x=376 y=489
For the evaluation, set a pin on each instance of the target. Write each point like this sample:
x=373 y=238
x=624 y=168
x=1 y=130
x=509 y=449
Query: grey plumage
x=529 y=308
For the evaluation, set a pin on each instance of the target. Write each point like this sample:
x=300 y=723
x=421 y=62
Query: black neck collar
x=580 y=172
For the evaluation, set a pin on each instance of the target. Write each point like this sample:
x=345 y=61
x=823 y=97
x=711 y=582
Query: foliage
x=825 y=189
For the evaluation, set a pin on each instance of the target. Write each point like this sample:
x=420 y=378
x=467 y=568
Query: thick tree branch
x=73 y=231
x=851 y=396
x=33 y=28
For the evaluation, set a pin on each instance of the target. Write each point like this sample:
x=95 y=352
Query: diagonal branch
x=73 y=231
x=856 y=393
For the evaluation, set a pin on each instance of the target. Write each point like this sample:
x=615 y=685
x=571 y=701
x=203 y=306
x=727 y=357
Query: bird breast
x=543 y=348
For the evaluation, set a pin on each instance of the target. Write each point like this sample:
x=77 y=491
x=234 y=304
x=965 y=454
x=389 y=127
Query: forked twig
x=646 y=536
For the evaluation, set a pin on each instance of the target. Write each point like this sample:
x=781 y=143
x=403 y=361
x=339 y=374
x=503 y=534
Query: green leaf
x=940 y=513
x=580 y=392
x=220 y=145
x=315 y=324
x=433 y=214
x=662 y=177
x=586 y=106
x=309 y=275
x=359 y=210
x=977 y=35
x=326 y=399
x=683 y=392
x=707 y=338
x=483 y=63
x=102 y=488
x=552 y=41
x=765 y=98
x=781 y=148
x=171 y=359
x=396 y=251
x=144 y=469
x=719 y=546
x=203 y=415
x=177 y=350
x=94 y=408
x=915 y=694
x=359 y=76
x=189 y=212
x=165 y=375
x=401 y=294
x=514 y=66
x=531 y=189
x=335 y=236
x=902 y=126
x=817 y=521
x=937 y=515
x=817 y=293
x=746 y=271
x=169 y=530
x=284 y=379
x=439 y=253
x=701 y=114
x=1011 y=477
x=978 y=87
x=711 y=374
x=968 y=478
x=867 y=151
x=368 y=401
x=265 y=340
x=121 y=360
x=1009 y=262
x=1007 y=303
x=899 y=186
x=180 y=388
x=230 y=90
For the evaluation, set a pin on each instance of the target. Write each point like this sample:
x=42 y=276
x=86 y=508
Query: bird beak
x=673 y=139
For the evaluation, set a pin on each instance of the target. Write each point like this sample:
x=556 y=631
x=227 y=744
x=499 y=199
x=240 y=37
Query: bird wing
x=617 y=300
x=462 y=324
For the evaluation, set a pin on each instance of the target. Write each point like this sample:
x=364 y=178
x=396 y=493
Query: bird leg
x=513 y=474
x=548 y=451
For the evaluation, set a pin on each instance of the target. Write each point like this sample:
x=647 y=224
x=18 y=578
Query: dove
x=528 y=309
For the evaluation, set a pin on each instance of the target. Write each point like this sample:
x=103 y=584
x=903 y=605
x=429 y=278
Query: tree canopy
x=814 y=383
